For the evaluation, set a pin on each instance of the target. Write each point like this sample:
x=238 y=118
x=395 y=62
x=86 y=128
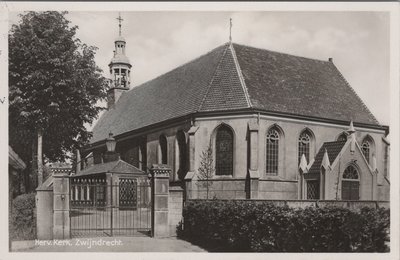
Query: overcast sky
x=157 y=42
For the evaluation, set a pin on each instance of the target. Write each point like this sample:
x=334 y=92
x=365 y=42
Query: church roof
x=237 y=77
x=333 y=149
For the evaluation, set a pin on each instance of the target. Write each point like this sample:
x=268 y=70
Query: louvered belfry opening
x=224 y=151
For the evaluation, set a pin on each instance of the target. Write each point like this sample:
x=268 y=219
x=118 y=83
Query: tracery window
x=304 y=145
x=342 y=137
x=367 y=148
x=224 y=151
x=272 y=151
x=350 y=184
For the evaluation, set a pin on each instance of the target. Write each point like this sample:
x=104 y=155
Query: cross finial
x=119 y=20
x=230 y=29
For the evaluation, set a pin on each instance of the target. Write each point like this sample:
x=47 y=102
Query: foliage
x=54 y=85
x=206 y=170
x=263 y=227
x=22 y=217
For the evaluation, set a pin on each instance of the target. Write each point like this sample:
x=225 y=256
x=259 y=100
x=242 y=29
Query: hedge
x=23 y=217
x=245 y=226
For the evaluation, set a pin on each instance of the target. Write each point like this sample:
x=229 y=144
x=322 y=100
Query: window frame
x=217 y=154
x=280 y=152
x=351 y=181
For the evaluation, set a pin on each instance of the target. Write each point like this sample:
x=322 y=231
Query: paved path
x=107 y=244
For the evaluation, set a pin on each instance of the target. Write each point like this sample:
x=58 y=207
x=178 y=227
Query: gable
x=333 y=149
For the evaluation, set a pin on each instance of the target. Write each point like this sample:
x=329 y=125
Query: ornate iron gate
x=99 y=208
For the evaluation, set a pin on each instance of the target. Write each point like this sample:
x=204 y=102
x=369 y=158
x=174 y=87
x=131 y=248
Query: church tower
x=120 y=70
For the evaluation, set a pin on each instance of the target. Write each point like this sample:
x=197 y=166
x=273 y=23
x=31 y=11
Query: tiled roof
x=271 y=81
x=290 y=84
x=177 y=93
x=118 y=166
x=333 y=149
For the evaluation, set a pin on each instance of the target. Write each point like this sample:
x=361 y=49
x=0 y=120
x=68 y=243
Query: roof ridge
x=212 y=78
x=355 y=93
x=282 y=53
x=241 y=78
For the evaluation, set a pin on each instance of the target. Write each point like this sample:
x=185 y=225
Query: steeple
x=120 y=68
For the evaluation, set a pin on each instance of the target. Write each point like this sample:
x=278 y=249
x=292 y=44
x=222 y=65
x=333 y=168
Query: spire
x=351 y=131
x=230 y=29
x=325 y=160
x=120 y=21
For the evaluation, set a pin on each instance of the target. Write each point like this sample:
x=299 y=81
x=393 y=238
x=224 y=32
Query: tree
x=206 y=170
x=54 y=87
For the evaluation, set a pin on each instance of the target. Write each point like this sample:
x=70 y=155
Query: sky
x=158 y=42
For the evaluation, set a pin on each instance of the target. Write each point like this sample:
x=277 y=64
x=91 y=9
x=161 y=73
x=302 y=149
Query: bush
x=23 y=217
x=263 y=227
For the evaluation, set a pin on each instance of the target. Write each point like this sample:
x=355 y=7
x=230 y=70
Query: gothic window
x=367 y=148
x=163 y=150
x=342 y=137
x=272 y=151
x=305 y=140
x=181 y=154
x=350 y=184
x=224 y=151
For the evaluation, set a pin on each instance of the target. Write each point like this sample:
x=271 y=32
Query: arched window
x=163 y=150
x=305 y=140
x=181 y=154
x=367 y=148
x=224 y=151
x=272 y=151
x=342 y=137
x=350 y=184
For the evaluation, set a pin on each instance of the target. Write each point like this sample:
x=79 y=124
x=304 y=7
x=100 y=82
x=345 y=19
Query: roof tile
x=333 y=149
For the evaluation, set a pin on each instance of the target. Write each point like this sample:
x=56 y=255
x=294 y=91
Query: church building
x=279 y=127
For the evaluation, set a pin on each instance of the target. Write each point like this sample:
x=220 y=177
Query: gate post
x=160 y=192
x=61 y=225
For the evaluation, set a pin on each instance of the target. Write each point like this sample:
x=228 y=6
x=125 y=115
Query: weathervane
x=119 y=20
x=230 y=30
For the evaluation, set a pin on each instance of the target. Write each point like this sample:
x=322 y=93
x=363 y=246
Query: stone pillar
x=191 y=133
x=253 y=154
x=61 y=225
x=175 y=208
x=44 y=213
x=160 y=192
x=192 y=158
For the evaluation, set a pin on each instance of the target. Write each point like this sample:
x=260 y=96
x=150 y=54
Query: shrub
x=263 y=227
x=23 y=217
